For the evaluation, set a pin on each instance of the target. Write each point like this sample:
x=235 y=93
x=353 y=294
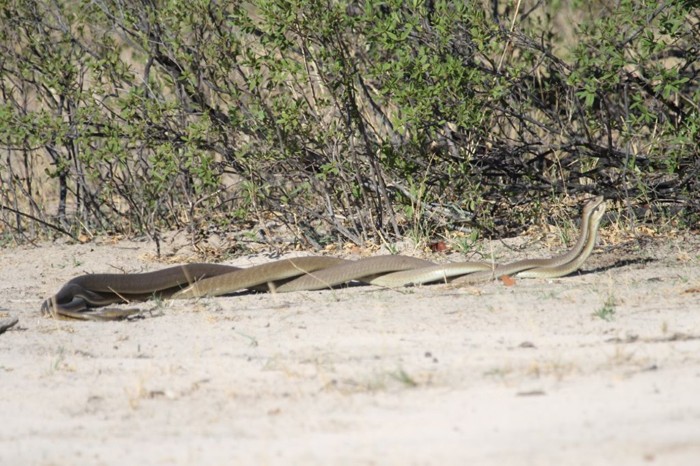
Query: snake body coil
x=76 y=297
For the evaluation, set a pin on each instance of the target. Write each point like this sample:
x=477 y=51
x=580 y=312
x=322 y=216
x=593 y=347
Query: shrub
x=357 y=119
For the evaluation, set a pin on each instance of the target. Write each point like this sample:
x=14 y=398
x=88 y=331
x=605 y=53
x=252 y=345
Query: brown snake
x=76 y=297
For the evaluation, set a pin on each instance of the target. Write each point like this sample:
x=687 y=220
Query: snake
x=102 y=289
x=473 y=272
x=558 y=266
x=77 y=298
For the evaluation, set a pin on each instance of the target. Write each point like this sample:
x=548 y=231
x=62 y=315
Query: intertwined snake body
x=80 y=294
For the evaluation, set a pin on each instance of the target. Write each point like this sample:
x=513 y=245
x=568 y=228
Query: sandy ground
x=527 y=374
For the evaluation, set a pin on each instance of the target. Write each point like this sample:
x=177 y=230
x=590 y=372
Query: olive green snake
x=78 y=296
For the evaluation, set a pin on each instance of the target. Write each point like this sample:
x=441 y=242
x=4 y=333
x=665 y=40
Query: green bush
x=357 y=119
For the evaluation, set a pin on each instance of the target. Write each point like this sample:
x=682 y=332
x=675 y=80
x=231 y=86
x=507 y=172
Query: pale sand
x=488 y=375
